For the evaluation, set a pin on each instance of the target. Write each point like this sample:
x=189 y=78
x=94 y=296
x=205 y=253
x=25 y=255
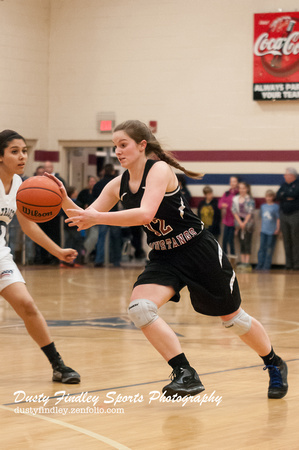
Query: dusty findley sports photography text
x=114 y=398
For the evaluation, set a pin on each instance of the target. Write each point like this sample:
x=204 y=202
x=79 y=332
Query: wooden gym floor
x=118 y=403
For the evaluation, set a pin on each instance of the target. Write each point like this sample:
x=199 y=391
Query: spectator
x=108 y=175
x=242 y=209
x=37 y=251
x=39 y=171
x=209 y=213
x=184 y=190
x=115 y=232
x=228 y=220
x=85 y=199
x=270 y=228
x=136 y=240
x=288 y=196
x=49 y=168
x=51 y=228
x=73 y=237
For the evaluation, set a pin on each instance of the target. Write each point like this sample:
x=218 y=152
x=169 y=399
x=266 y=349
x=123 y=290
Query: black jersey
x=174 y=225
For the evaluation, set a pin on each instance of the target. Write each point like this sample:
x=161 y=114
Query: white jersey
x=8 y=207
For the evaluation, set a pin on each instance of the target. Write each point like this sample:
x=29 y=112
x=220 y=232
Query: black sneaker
x=278 y=385
x=185 y=381
x=64 y=374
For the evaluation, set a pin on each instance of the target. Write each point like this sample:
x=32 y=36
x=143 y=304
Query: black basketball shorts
x=203 y=268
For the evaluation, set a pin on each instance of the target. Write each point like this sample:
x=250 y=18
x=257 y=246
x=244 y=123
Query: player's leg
x=159 y=333
x=17 y=295
x=252 y=333
x=145 y=301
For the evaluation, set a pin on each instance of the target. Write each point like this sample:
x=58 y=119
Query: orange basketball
x=39 y=199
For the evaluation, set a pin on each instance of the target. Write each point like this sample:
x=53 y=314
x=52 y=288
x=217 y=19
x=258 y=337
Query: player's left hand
x=82 y=219
x=68 y=255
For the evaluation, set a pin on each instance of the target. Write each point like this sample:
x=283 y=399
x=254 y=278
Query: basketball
x=39 y=199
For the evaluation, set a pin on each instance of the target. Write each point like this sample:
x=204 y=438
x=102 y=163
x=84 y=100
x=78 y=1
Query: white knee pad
x=143 y=312
x=239 y=324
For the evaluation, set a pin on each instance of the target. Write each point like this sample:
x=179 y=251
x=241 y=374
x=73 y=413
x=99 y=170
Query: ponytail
x=154 y=147
x=138 y=131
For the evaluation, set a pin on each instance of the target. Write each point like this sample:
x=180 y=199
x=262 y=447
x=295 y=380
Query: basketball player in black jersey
x=183 y=254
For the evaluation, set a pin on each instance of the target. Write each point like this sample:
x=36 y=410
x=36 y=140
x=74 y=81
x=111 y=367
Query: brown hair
x=248 y=187
x=138 y=131
x=270 y=193
x=6 y=136
x=207 y=190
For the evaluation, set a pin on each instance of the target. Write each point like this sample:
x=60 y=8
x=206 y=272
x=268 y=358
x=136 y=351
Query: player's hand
x=82 y=219
x=68 y=255
x=59 y=183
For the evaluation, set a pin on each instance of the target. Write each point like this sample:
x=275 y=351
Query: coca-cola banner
x=276 y=56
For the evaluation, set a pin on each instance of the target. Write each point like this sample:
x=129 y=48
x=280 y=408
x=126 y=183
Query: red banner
x=276 y=56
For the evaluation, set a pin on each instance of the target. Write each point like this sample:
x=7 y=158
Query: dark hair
x=109 y=169
x=182 y=179
x=70 y=190
x=6 y=136
x=39 y=167
x=138 y=131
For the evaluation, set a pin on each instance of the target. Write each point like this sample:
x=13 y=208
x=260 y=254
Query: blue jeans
x=228 y=239
x=266 y=250
x=100 y=247
x=115 y=245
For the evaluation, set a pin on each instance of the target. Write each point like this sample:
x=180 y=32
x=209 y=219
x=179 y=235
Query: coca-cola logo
x=277 y=45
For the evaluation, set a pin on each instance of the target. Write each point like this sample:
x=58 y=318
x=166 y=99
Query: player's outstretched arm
x=34 y=232
x=108 y=198
x=159 y=179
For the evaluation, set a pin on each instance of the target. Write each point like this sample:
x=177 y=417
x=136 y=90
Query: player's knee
x=27 y=308
x=143 y=312
x=240 y=324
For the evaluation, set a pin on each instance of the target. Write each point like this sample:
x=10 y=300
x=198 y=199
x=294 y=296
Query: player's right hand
x=59 y=183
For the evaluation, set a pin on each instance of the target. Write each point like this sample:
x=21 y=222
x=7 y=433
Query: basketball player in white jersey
x=13 y=157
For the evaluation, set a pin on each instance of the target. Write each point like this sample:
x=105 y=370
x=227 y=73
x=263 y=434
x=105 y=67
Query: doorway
x=84 y=161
